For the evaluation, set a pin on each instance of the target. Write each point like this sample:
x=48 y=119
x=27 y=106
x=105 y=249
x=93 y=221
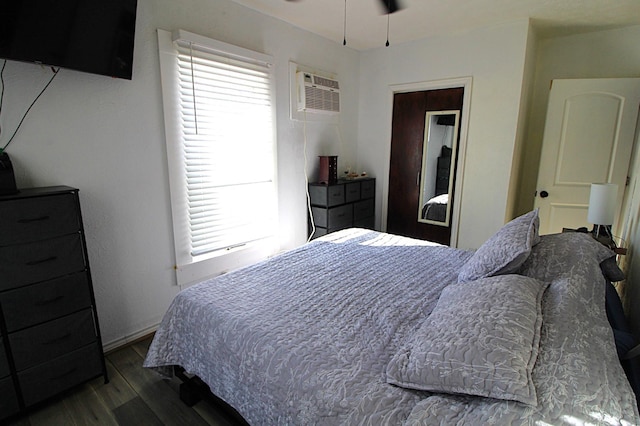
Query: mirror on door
x=438 y=167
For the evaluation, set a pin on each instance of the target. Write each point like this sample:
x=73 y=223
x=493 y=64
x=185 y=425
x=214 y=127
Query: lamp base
x=602 y=234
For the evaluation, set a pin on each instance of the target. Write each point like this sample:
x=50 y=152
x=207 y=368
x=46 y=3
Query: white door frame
x=464 y=82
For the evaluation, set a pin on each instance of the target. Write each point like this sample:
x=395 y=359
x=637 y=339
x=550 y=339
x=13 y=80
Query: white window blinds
x=226 y=120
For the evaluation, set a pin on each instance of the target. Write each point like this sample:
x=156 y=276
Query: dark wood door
x=407 y=138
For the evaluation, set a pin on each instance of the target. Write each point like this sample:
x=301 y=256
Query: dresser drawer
x=352 y=191
x=8 y=399
x=33 y=219
x=37 y=303
x=326 y=195
x=367 y=188
x=43 y=342
x=363 y=209
x=320 y=216
x=333 y=218
x=340 y=217
x=33 y=262
x=60 y=374
x=4 y=364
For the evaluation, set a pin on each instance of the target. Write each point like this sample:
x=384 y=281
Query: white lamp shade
x=602 y=203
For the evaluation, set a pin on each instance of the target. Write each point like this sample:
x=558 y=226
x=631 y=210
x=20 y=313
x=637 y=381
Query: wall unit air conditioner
x=317 y=94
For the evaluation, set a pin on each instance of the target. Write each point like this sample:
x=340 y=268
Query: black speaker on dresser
x=7 y=177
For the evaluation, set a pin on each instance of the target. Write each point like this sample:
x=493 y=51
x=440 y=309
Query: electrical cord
x=306 y=177
x=55 y=73
x=2 y=94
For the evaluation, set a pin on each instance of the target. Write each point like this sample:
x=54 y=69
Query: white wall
x=520 y=160
x=495 y=59
x=106 y=137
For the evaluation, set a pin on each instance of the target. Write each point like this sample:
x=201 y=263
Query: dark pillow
x=611 y=270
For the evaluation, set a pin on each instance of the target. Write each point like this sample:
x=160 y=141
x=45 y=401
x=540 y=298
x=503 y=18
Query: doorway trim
x=464 y=82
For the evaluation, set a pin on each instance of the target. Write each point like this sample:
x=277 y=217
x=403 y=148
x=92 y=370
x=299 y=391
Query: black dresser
x=346 y=204
x=50 y=337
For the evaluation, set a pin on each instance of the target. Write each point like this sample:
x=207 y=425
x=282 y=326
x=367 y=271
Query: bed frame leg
x=191 y=388
x=194 y=390
x=189 y=395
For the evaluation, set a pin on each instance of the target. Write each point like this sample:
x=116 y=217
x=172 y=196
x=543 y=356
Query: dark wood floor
x=133 y=396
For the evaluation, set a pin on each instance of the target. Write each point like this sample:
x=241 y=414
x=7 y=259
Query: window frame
x=188 y=268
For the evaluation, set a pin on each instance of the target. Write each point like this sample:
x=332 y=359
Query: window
x=219 y=120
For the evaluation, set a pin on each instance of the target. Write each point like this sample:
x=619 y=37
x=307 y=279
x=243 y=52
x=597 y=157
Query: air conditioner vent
x=317 y=94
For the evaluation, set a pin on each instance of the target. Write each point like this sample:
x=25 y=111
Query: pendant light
x=344 y=40
x=388 y=19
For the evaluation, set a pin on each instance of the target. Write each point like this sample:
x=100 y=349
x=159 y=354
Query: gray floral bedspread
x=306 y=337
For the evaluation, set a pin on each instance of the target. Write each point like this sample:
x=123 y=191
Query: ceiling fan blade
x=391 y=5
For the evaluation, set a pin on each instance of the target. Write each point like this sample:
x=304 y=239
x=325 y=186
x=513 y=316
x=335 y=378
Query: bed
x=436 y=208
x=361 y=327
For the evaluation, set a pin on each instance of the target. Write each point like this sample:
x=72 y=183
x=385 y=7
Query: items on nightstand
x=602 y=210
x=328 y=169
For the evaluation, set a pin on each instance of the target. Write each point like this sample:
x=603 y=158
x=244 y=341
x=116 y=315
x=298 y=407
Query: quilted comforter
x=307 y=337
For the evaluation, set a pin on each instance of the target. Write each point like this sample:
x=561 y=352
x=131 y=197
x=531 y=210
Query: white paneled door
x=588 y=138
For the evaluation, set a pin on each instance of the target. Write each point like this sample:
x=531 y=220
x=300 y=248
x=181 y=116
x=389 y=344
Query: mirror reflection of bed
x=438 y=168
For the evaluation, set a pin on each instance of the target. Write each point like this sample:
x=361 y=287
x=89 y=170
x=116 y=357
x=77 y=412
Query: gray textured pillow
x=505 y=251
x=481 y=339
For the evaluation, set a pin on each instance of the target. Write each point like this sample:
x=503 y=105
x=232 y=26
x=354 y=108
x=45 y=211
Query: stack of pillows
x=482 y=337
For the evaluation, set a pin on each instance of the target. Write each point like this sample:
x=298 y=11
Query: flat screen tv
x=94 y=36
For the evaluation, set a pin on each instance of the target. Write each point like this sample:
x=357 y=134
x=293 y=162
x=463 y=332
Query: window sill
x=213 y=265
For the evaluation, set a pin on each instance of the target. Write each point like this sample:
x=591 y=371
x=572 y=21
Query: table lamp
x=602 y=207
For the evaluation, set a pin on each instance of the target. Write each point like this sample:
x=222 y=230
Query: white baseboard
x=118 y=343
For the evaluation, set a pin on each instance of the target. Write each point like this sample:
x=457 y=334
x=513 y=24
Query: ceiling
x=366 y=23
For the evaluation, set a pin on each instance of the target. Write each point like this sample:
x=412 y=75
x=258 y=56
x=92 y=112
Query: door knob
x=544 y=194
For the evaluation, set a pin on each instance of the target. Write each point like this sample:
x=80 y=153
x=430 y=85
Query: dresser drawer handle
x=49 y=301
x=35 y=219
x=38 y=262
x=66 y=373
x=57 y=339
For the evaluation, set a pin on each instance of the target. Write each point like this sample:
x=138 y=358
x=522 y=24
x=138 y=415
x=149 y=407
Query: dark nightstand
x=345 y=204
